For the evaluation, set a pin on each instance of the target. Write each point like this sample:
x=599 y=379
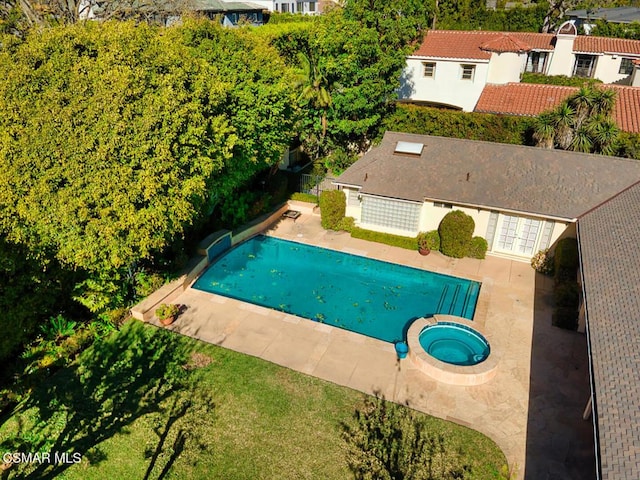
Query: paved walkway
x=532 y=408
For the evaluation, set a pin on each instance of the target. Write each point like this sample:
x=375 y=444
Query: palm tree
x=315 y=89
x=544 y=130
x=581 y=123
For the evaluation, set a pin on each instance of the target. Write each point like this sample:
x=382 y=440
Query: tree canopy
x=115 y=138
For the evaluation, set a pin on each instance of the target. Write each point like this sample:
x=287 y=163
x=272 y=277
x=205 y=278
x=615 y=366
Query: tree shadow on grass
x=114 y=383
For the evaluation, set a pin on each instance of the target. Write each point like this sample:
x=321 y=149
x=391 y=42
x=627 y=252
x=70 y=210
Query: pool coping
x=445 y=372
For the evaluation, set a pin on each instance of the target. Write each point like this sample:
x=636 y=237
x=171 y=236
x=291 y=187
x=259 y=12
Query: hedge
x=540 y=78
x=333 y=205
x=304 y=197
x=566 y=256
x=386 y=238
x=477 y=248
x=455 y=124
x=456 y=229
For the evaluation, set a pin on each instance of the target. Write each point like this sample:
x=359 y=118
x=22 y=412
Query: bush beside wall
x=477 y=248
x=456 y=230
x=386 y=238
x=333 y=205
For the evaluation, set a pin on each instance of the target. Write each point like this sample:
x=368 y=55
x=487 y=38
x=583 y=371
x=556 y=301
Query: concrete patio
x=532 y=408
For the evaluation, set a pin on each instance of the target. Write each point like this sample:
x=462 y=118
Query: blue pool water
x=454 y=343
x=374 y=298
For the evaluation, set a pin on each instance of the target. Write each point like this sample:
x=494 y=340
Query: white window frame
x=429 y=69
x=312 y=6
x=518 y=235
x=468 y=71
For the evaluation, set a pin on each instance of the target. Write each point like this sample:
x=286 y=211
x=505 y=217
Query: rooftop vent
x=409 y=148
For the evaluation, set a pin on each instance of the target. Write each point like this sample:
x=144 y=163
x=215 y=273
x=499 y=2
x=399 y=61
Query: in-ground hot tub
x=452 y=350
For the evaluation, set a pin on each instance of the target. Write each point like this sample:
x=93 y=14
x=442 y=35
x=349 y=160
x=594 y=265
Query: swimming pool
x=370 y=297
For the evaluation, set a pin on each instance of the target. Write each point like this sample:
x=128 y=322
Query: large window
x=536 y=62
x=386 y=212
x=312 y=6
x=584 y=66
x=429 y=69
x=299 y=7
x=626 y=66
x=468 y=71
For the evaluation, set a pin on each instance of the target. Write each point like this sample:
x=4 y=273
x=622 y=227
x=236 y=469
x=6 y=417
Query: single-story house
x=522 y=200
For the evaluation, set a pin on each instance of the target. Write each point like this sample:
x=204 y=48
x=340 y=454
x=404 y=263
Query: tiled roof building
x=451 y=68
x=532 y=99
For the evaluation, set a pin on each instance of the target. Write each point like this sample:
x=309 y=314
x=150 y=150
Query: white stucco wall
x=607 y=68
x=354 y=211
x=505 y=67
x=447 y=85
x=562 y=58
x=635 y=79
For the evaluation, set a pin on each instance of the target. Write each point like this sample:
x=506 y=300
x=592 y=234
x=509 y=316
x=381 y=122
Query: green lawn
x=151 y=404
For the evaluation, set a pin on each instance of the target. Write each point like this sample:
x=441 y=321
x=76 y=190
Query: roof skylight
x=411 y=148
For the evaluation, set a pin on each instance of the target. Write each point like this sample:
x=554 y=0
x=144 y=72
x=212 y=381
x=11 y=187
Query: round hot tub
x=451 y=350
x=454 y=343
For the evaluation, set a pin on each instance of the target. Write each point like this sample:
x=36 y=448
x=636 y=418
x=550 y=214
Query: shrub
x=566 y=260
x=333 y=205
x=429 y=240
x=529 y=77
x=565 y=317
x=347 y=224
x=567 y=294
x=304 y=197
x=567 y=297
x=477 y=248
x=167 y=310
x=386 y=238
x=542 y=262
x=455 y=230
x=566 y=255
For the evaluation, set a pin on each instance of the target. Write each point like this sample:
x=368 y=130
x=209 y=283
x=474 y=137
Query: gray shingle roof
x=609 y=240
x=503 y=177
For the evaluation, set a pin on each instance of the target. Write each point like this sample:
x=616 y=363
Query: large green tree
x=115 y=138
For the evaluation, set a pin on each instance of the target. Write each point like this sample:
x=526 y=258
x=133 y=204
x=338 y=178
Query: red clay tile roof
x=505 y=43
x=468 y=44
x=588 y=44
x=532 y=99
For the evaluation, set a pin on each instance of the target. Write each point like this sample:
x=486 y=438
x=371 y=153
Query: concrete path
x=532 y=408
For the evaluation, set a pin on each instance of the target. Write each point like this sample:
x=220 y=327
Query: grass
x=150 y=404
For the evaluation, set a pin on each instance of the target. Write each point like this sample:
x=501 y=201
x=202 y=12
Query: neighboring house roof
x=473 y=45
x=600 y=45
x=610 y=256
x=613 y=15
x=530 y=99
x=222 y=6
x=468 y=44
x=548 y=183
x=505 y=43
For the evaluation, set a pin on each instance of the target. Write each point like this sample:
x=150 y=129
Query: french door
x=518 y=235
